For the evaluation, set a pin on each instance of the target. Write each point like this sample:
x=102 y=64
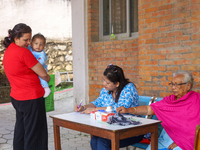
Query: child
x=37 y=45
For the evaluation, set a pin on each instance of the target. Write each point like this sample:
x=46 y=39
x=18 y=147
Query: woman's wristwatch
x=83 y=107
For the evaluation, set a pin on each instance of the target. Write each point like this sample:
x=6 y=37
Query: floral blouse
x=128 y=98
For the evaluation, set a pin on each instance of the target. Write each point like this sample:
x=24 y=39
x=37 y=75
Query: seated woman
x=179 y=113
x=117 y=91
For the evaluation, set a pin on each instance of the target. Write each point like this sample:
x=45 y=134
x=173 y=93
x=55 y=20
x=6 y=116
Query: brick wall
x=93 y=21
x=101 y=54
x=169 y=40
x=123 y=53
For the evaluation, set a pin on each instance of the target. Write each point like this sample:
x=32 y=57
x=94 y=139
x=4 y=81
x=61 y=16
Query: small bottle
x=109 y=109
x=93 y=115
x=99 y=115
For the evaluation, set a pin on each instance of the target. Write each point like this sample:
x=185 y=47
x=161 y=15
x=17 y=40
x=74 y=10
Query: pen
x=80 y=104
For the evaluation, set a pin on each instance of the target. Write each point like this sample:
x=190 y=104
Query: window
x=118 y=17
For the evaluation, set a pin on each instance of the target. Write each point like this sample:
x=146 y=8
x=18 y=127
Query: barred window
x=118 y=17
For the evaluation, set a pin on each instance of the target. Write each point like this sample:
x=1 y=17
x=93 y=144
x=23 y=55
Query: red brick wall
x=169 y=40
x=93 y=21
x=123 y=53
x=101 y=54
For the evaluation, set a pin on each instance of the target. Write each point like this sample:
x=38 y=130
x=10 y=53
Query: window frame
x=126 y=35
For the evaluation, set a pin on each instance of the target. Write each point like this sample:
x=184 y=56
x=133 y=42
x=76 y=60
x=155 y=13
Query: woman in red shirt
x=22 y=70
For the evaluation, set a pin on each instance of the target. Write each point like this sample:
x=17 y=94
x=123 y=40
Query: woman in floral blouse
x=117 y=91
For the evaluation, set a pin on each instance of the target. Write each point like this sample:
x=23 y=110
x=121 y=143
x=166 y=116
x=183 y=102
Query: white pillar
x=80 y=52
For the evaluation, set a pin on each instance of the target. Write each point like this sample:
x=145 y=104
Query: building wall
x=52 y=18
x=123 y=53
x=169 y=40
x=79 y=46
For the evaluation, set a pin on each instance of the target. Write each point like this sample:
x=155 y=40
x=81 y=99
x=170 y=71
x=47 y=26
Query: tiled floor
x=70 y=139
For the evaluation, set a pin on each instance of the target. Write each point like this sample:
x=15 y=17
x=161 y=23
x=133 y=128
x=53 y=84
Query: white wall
x=49 y=17
x=79 y=46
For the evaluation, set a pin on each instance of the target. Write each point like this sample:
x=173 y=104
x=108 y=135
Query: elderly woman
x=179 y=113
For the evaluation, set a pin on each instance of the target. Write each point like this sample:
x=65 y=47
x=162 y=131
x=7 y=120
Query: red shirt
x=24 y=82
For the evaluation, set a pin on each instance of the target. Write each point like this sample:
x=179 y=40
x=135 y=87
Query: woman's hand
x=83 y=110
x=172 y=146
x=122 y=110
x=79 y=109
x=88 y=110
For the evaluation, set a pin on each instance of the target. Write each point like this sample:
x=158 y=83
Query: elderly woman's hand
x=172 y=146
x=122 y=110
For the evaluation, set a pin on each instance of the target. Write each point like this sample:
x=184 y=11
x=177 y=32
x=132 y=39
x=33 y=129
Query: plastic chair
x=145 y=100
x=140 y=145
x=197 y=138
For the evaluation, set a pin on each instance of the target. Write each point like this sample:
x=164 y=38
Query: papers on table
x=78 y=114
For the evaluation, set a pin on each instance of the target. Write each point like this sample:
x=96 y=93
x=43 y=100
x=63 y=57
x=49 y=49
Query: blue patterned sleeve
x=98 y=101
x=128 y=97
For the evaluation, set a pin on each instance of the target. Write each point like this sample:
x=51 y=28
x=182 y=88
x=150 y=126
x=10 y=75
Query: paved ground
x=70 y=139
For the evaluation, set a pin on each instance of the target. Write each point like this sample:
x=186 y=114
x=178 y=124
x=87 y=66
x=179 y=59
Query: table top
x=85 y=119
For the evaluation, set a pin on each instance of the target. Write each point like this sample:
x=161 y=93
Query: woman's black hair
x=115 y=74
x=16 y=32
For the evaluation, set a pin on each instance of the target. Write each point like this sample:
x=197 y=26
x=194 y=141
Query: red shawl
x=179 y=117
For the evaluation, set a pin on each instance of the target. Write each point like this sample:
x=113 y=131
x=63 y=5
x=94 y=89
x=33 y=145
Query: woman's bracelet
x=95 y=109
x=135 y=110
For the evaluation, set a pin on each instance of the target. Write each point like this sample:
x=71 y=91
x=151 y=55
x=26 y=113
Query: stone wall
x=59 y=58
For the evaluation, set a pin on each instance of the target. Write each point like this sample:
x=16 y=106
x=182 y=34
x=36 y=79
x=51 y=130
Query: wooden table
x=83 y=123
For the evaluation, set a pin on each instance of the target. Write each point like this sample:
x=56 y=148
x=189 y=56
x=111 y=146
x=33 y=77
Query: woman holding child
x=117 y=91
x=179 y=113
x=22 y=70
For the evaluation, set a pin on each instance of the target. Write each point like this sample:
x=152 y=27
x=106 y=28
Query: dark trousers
x=31 y=125
x=98 y=143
